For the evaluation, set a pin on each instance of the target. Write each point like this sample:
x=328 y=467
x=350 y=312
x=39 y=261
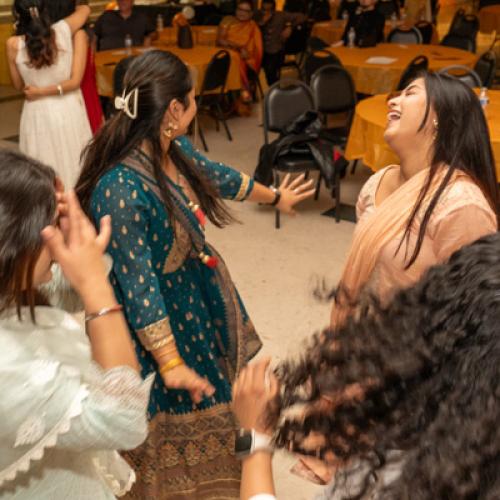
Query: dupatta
x=375 y=231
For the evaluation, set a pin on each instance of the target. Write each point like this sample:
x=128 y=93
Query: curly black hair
x=420 y=375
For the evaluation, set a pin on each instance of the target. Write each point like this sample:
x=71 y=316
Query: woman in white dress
x=68 y=401
x=54 y=125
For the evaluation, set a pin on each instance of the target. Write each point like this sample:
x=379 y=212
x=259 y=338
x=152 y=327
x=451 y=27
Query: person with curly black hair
x=404 y=399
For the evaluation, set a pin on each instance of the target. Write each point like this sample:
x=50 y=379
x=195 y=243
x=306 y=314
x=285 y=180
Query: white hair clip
x=34 y=12
x=122 y=103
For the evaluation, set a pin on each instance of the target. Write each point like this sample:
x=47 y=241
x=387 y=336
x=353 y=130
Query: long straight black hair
x=27 y=205
x=160 y=77
x=60 y=9
x=33 y=22
x=462 y=143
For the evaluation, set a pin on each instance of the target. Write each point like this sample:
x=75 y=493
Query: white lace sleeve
x=113 y=414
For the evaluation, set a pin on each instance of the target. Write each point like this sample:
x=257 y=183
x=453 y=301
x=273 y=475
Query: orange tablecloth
x=382 y=78
x=202 y=35
x=366 y=140
x=489 y=19
x=332 y=31
x=197 y=58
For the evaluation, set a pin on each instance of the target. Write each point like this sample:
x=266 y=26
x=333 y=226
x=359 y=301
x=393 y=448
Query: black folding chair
x=388 y=7
x=463 y=73
x=405 y=36
x=334 y=93
x=418 y=64
x=284 y=102
x=486 y=67
x=209 y=101
x=317 y=59
x=459 y=42
x=426 y=31
x=295 y=47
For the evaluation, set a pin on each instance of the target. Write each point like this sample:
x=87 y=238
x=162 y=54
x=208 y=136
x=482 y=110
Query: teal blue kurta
x=165 y=287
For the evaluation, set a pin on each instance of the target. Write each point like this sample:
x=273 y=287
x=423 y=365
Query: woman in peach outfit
x=242 y=34
x=442 y=196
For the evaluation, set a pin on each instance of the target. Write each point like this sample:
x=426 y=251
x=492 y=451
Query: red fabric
x=90 y=95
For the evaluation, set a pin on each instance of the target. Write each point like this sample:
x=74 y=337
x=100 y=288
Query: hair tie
x=34 y=12
x=122 y=103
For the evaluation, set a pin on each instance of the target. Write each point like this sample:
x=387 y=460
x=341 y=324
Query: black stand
x=346 y=212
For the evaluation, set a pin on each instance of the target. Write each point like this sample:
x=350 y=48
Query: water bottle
x=394 y=20
x=484 y=99
x=345 y=15
x=159 y=23
x=351 y=37
x=128 y=44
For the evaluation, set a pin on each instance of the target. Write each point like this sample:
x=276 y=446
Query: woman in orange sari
x=242 y=34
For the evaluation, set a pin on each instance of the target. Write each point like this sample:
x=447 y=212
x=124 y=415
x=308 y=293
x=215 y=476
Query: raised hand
x=183 y=377
x=293 y=192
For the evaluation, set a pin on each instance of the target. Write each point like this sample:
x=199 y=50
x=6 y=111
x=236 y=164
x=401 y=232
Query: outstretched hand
x=293 y=192
x=183 y=377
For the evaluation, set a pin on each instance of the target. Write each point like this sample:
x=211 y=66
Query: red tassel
x=200 y=216
x=212 y=262
x=336 y=155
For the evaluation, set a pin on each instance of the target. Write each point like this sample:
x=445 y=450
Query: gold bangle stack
x=170 y=365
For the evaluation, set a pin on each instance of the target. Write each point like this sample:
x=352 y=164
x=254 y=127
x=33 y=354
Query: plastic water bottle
x=159 y=23
x=394 y=20
x=128 y=44
x=484 y=99
x=351 y=37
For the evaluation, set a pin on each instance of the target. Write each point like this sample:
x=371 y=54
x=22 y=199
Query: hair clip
x=34 y=12
x=123 y=103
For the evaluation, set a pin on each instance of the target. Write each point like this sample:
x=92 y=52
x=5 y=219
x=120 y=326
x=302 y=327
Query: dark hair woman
x=76 y=392
x=83 y=56
x=47 y=64
x=442 y=196
x=189 y=323
x=404 y=400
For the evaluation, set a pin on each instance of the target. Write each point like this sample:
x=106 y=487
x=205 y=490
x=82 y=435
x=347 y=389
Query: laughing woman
x=186 y=316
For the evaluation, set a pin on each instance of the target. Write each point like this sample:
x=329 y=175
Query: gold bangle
x=170 y=365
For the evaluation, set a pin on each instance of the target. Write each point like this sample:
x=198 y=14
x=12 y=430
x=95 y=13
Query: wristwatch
x=277 y=196
x=249 y=441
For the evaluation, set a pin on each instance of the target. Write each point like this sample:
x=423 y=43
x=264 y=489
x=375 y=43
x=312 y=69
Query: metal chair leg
x=318 y=187
x=223 y=119
x=202 y=137
x=354 y=165
x=337 y=198
x=277 y=213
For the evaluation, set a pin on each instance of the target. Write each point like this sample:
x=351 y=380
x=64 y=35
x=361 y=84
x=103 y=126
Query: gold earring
x=168 y=133
x=435 y=123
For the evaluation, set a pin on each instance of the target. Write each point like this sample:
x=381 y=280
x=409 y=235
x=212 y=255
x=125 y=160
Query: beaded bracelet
x=103 y=312
x=170 y=365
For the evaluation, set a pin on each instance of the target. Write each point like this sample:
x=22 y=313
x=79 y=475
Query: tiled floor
x=275 y=270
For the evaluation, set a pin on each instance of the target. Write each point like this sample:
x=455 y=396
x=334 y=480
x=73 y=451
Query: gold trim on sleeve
x=242 y=193
x=156 y=335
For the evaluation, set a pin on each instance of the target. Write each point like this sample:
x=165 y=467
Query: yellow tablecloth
x=489 y=19
x=197 y=58
x=366 y=140
x=382 y=78
x=202 y=35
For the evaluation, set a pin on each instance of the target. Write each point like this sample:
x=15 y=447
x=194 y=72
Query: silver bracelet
x=103 y=312
x=60 y=89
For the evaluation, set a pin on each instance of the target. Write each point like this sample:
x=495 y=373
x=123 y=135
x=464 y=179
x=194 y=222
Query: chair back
x=285 y=101
x=315 y=43
x=426 y=31
x=217 y=71
x=466 y=25
x=297 y=42
x=388 y=8
x=486 y=67
x=405 y=36
x=333 y=90
x=459 y=42
x=464 y=74
x=420 y=63
x=316 y=60
x=119 y=75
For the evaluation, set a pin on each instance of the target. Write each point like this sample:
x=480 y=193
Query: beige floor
x=276 y=271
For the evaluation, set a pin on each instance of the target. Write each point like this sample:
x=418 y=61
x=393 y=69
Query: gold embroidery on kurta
x=242 y=193
x=179 y=251
x=156 y=335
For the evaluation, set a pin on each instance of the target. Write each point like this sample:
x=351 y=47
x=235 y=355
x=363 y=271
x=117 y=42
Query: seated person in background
x=368 y=24
x=113 y=26
x=241 y=33
x=276 y=28
x=348 y=7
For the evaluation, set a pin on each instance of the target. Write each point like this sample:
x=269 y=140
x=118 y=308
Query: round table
x=332 y=31
x=202 y=35
x=489 y=19
x=370 y=78
x=197 y=58
x=366 y=139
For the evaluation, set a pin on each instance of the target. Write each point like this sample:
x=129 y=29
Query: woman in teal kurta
x=174 y=286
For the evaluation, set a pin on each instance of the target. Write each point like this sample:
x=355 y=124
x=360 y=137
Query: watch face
x=243 y=443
